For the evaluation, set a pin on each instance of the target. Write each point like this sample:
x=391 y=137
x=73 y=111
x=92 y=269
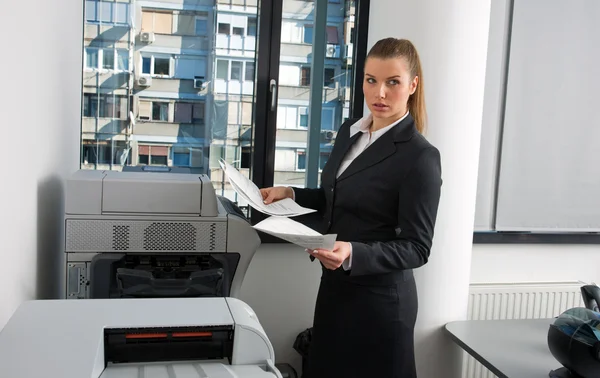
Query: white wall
x=39 y=103
x=535 y=263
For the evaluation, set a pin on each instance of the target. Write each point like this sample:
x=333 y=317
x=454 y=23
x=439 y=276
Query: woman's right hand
x=276 y=193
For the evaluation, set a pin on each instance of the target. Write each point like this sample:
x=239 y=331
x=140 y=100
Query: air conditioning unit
x=327 y=135
x=198 y=83
x=144 y=81
x=146 y=37
x=331 y=51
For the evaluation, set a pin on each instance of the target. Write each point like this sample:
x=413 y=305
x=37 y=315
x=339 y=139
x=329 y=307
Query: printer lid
x=149 y=192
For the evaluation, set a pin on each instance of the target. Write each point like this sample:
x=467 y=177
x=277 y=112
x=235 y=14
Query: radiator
x=527 y=300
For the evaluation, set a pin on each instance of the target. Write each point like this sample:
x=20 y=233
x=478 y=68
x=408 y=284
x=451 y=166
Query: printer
x=136 y=337
x=152 y=234
x=155 y=261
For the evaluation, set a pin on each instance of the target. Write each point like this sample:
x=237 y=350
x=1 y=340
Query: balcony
x=303 y=93
x=106 y=81
x=168 y=130
x=175 y=43
x=234 y=87
x=99 y=34
x=107 y=126
x=235 y=45
x=169 y=85
x=306 y=8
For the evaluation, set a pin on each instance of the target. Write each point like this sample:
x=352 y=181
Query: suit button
x=331 y=189
x=329 y=224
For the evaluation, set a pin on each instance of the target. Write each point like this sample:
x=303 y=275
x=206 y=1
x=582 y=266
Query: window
x=201 y=26
x=183 y=112
x=249 y=75
x=223 y=69
x=147 y=65
x=301 y=162
x=327 y=118
x=251 y=31
x=305 y=78
x=162 y=66
x=103 y=105
x=329 y=77
x=91 y=57
x=156 y=65
x=153 y=155
x=107 y=12
x=159 y=22
x=303 y=117
x=122 y=60
x=108 y=59
x=308 y=34
x=224 y=28
x=236 y=70
x=160 y=111
x=237 y=73
x=287 y=117
x=154 y=75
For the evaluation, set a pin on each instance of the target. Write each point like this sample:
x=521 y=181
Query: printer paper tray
x=184 y=370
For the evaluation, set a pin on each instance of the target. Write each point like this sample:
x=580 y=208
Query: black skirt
x=363 y=330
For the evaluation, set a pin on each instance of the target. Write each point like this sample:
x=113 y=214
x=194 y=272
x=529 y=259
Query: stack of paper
x=278 y=224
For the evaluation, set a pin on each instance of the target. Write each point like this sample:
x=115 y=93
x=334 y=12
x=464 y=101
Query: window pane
x=146 y=64
x=161 y=66
x=224 y=28
x=158 y=160
x=105 y=10
x=201 y=26
x=160 y=111
x=308 y=34
x=251 y=26
x=222 y=69
x=123 y=60
x=108 y=59
x=91 y=56
x=236 y=70
x=170 y=109
x=294 y=95
x=328 y=78
x=122 y=13
x=249 y=76
x=91 y=13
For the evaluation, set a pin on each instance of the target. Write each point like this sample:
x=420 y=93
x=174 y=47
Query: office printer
x=152 y=234
x=132 y=338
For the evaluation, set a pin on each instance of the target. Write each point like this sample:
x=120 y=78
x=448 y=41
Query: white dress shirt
x=368 y=137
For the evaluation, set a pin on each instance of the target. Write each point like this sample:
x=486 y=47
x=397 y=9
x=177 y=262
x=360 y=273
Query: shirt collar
x=364 y=124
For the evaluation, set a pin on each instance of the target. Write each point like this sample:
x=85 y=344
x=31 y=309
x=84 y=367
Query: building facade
x=171 y=83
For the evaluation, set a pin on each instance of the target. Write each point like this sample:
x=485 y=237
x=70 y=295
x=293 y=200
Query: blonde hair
x=390 y=48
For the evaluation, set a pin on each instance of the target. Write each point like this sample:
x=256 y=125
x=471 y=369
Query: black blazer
x=385 y=203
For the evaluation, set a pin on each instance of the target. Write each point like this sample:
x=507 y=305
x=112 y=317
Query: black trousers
x=363 y=330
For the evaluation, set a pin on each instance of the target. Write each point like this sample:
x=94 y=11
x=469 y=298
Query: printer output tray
x=184 y=370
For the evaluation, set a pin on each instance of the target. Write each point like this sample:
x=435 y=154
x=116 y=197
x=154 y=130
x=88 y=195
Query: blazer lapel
x=381 y=149
x=343 y=142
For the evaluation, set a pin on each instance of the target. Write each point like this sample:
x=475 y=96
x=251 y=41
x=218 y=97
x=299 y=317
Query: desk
x=508 y=348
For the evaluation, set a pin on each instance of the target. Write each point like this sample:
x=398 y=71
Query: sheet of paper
x=250 y=192
x=295 y=232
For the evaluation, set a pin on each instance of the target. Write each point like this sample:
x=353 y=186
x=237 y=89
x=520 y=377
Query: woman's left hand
x=332 y=259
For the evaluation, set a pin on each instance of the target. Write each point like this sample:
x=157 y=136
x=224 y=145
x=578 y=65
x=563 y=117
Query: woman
x=379 y=193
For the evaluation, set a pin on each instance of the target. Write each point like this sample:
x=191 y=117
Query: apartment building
x=171 y=83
